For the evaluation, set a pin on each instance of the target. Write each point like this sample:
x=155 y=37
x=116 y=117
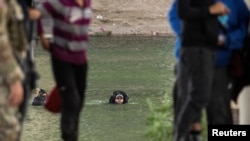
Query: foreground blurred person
x=71 y=19
x=218 y=110
x=200 y=35
x=11 y=76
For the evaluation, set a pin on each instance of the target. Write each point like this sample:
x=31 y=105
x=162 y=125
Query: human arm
x=34 y=14
x=40 y=33
x=10 y=72
x=236 y=36
x=43 y=9
x=11 y=75
x=187 y=11
x=175 y=24
x=28 y=11
x=174 y=20
x=23 y=4
x=16 y=93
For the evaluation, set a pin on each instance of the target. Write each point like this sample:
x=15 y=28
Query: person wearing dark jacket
x=200 y=36
x=218 y=109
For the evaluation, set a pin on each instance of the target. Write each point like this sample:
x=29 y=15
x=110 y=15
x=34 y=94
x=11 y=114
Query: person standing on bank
x=71 y=19
x=218 y=109
x=200 y=37
x=11 y=75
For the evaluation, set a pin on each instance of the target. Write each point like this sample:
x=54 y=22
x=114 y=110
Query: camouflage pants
x=9 y=123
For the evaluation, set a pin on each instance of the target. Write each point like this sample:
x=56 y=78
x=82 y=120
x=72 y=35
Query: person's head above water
x=118 y=97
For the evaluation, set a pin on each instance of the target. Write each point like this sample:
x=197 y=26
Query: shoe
x=194 y=137
x=182 y=138
x=188 y=137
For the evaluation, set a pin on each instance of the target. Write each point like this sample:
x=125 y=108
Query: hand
x=16 y=94
x=45 y=42
x=218 y=8
x=34 y=14
x=221 y=40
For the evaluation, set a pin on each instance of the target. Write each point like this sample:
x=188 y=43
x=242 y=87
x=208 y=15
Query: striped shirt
x=70 y=29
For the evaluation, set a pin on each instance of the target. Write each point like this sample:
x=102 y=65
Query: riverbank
x=130 y=17
x=127 y=17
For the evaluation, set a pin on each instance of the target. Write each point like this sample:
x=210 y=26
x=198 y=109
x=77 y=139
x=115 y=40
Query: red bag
x=53 y=101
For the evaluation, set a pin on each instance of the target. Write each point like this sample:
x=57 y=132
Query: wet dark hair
x=42 y=91
x=118 y=92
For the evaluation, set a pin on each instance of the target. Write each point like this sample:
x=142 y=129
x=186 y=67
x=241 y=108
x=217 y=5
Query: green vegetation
x=160 y=121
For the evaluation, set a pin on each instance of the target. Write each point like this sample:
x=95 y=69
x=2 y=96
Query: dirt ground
x=147 y=17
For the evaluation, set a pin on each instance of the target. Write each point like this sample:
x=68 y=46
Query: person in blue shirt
x=233 y=31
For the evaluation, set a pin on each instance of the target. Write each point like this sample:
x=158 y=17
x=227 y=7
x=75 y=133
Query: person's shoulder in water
x=118 y=97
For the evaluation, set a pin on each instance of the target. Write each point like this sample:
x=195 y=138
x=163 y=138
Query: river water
x=139 y=65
